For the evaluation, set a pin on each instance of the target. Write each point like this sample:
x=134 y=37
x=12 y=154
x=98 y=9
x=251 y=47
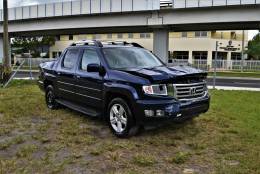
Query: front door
x=89 y=84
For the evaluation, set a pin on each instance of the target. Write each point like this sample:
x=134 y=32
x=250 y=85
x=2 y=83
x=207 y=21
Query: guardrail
x=210 y=3
x=221 y=65
x=80 y=7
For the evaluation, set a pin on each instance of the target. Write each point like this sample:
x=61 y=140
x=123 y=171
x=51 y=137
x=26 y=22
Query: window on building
x=233 y=35
x=204 y=33
x=69 y=59
x=54 y=54
x=235 y=56
x=200 y=55
x=142 y=35
x=109 y=36
x=130 y=35
x=145 y=35
x=89 y=57
x=201 y=34
x=96 y=36
x=119 y=35
x=57 y=38
x=221 y=55
x=184 y=34
x=181 y=55
x=70 y=37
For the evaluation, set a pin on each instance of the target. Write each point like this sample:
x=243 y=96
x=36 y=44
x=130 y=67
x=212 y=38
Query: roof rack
x=87 y=42
x=124 y=43
x=101 y=43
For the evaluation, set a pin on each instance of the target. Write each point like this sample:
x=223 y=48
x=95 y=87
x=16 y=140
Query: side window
x=89 y=57
x=70 y=58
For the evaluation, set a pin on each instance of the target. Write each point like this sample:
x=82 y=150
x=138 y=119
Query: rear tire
x=120 y=119
x=50 y=98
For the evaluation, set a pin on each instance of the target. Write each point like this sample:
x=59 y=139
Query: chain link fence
x=31 y=62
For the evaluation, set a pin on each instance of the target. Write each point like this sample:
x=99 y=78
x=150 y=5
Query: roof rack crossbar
x=134 y=44
x=100 y=44
x=88 y=42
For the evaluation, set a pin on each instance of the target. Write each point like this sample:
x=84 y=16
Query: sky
x=15 y=3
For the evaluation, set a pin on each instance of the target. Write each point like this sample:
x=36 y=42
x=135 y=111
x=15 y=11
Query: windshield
x=123 y=58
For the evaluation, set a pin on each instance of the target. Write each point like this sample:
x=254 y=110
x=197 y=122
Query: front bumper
x=41 y=85
x=173 y=109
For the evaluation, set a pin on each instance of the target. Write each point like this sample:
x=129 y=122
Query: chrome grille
x=190 y=91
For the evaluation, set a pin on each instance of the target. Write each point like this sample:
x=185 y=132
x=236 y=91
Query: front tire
x=120 y=119
x=50 y=98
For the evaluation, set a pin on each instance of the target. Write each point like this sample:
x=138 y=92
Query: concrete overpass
x=95 y=16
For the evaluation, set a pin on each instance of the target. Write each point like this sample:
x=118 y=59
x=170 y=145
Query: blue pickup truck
x=123 y=83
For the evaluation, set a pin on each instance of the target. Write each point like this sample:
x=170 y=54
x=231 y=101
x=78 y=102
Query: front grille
x=190 y=91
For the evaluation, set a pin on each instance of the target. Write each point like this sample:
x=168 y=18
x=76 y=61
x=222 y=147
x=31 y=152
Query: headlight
x=160 y=89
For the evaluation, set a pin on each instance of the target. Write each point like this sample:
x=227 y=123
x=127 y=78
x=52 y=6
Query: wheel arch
x=125 y=92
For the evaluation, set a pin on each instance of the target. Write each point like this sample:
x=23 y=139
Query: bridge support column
x=229 y=60
x=190 y=59
x=209 y=59
x=161 y=44
x=1 y=49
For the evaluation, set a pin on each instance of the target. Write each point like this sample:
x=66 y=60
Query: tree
x=34 y=45
x=254 y=47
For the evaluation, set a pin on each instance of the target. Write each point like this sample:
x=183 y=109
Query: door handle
x=78 y=77
x=58 y=73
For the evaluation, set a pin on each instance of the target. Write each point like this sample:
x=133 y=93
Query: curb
x=235 y=78
x=232 y=88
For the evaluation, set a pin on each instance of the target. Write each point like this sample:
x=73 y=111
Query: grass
x=34 y=139
x=237 y=74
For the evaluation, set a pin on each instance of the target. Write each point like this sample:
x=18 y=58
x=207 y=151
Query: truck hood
x=164 y=73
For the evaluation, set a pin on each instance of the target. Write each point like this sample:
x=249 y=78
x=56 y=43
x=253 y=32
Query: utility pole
x=215 y=66
x=6 y=59
x=242 y=52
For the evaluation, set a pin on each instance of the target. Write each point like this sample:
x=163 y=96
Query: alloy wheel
x=118 y=118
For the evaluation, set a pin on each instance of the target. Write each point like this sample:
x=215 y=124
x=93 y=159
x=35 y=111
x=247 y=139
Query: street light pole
x=215 y=66
x=242 y=52
x=6 y=60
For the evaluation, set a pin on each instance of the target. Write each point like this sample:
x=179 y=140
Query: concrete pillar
x=209 y=59
x=229 y=60
x=50 y=54
x=1 y=49
x=229 y=56
x=161 y=44
x=190 y=60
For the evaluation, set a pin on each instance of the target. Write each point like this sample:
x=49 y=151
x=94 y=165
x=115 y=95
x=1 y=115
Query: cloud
x=252 y=33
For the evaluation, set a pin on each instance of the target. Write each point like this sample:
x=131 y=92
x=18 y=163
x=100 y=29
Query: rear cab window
x=70 y=58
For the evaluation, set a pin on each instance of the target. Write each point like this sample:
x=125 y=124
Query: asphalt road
x=235 y=82
x=220 y=81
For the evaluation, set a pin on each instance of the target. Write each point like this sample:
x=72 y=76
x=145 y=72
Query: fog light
x=149 y=113
x=159 y=113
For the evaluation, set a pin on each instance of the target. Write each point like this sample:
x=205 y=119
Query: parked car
x=125 y=84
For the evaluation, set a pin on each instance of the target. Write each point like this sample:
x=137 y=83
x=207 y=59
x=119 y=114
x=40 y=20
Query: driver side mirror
x=93 y=67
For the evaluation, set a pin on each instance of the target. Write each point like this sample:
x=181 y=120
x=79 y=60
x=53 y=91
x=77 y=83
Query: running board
x=84 y=110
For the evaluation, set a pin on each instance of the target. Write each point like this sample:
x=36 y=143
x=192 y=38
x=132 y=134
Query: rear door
x=66 y=74
x=89 y=84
